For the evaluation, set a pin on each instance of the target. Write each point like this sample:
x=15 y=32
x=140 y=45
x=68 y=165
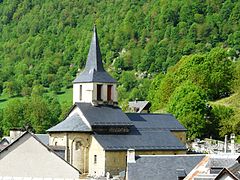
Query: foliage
x=35 y=112
x=228 y=120
x=188 y=104
x=137 y=35
x=212 y=72
x=154 y=49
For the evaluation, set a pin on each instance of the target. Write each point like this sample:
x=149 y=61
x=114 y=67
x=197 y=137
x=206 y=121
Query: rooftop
x=140 y=140
x=104 y=115
x=162 y=166
x=155 y=122
x=94 y=70
x=73 y=123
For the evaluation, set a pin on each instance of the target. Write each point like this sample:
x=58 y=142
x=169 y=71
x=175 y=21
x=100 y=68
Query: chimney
x=225 y=144
x=15 y=133
x=131 y=156
x=232 y=137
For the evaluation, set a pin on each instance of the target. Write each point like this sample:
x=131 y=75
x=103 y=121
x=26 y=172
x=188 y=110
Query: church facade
x=96 y=134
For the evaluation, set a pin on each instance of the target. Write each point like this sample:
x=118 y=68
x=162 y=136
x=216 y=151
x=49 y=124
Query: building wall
x=29 y=158
x=98 y=168
x=76 y=148
x=181 y=135
x=89 y=92
x=116 y=160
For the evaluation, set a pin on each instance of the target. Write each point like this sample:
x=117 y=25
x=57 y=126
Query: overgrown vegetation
x=178 y=54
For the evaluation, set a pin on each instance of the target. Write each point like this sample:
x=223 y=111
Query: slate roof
x=167 y=167
x=94 y=70
x=140 y=140
x=146 y=121
x=221 y=162
x=104 y=115
x=235 y=169
x=73 y=123
x=44 y=138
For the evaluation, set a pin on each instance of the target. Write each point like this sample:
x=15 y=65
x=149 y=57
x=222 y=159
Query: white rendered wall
x=29 y=158
x=97 y=169
x=89 y=92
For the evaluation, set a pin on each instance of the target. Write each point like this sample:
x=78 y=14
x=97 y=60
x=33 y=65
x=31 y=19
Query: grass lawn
x=63 y=98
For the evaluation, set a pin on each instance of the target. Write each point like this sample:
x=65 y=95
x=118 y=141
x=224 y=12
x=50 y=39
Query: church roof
x=94 y=70
x=140 y=140
x=104 y=115
x=73 y=123
x=162 y=166
x=145 y=121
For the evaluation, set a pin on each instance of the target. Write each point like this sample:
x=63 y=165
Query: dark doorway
x=99 y=92
x=109 y=92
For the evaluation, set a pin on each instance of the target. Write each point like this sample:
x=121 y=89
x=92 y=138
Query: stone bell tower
x=94 y=85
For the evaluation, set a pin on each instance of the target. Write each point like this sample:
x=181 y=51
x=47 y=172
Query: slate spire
x=94 y=70
x=94 y=60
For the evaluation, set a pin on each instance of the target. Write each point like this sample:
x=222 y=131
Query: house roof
x=73 y=123
x=139 y=105
x=162 y=166
x=224 y=172
x=235 y=169
x=146 y=121
x=94 y=70
x=44 y=138
x=221 y=162
x=140 y=140
x=104 y=115
x=37 y=139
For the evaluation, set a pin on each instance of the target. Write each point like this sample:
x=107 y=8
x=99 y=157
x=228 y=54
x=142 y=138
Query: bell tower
x=94 y=85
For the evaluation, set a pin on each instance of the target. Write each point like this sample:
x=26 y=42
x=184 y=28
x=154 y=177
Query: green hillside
x=157 y=50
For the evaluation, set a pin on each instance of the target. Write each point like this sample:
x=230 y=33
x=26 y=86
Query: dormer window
x=109 y=92
x=99 y=92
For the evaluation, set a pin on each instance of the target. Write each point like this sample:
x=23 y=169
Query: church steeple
x=94 y=85
x=94 y=60
x=94 y=70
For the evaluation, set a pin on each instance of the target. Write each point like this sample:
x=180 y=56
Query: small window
x=99 y=92
x=95 y=159
x=55 y=143
x=109 y=92
x=78 y=145
x=80 y=92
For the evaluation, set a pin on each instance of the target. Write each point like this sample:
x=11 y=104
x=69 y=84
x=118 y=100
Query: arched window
x=78 y=145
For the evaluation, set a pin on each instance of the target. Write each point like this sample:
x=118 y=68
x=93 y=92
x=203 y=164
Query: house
x=155 y=167
x=139 y=106
x=184 y=166
x=231 y=173
x=27 y=157
x=214 y=166
x=96 y=133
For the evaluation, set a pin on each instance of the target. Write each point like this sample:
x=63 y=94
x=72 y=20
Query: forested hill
x=43 y=43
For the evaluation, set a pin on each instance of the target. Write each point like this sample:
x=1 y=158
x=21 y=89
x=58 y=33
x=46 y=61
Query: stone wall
x=76 y=148
x=181 y=135
x=116 y=160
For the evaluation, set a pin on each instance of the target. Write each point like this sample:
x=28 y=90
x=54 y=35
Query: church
x=96 y=134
